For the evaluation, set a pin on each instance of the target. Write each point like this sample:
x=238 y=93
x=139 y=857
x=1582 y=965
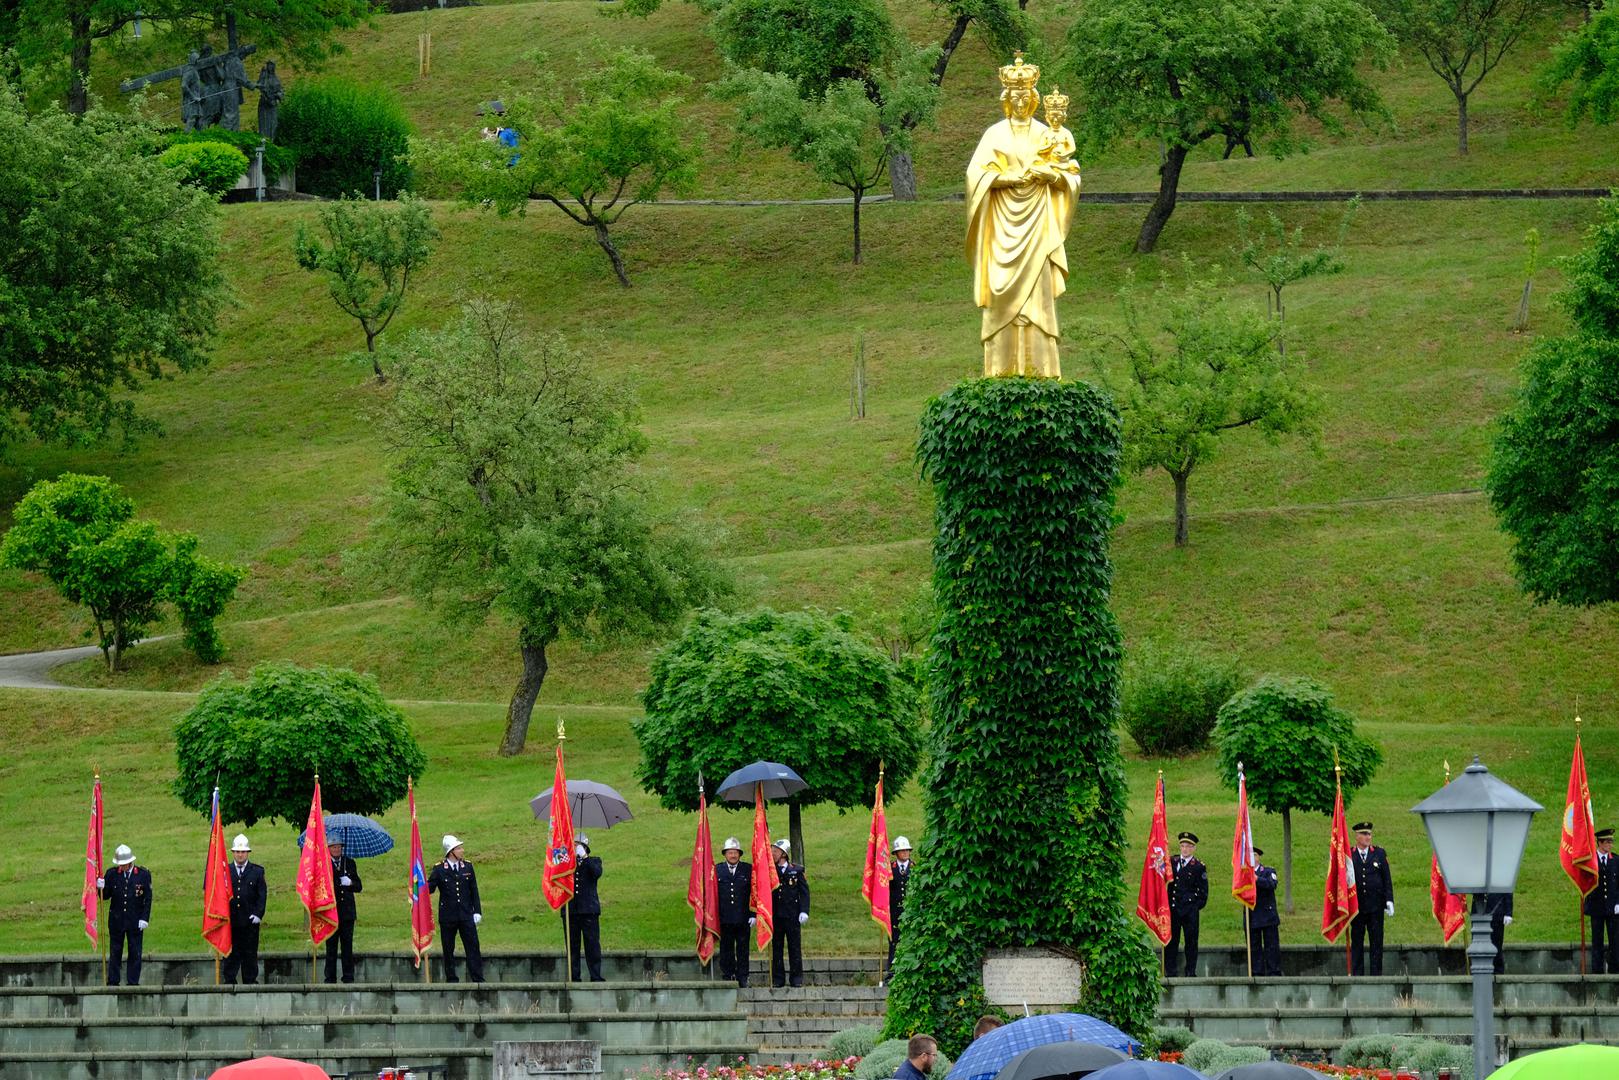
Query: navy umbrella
x=1060 y=1059
x=360 y=836
x=779 y=782
x=1146 y=1070
x=595 y=806
x=989 y=1054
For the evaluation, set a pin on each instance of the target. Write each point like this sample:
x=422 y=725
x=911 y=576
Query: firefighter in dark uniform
x=1188 y=893
x=897 y=885
x=789 y=910
x=735 y=881
x=584 y=914
x=346 y=876
x=1499 y=907
x=128 y=890
x=247 y=898
x=1602 y=906
x=1374 y=885
x=1264 y=922
x=459 y=909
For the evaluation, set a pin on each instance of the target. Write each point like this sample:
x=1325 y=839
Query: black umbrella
x=779 y=782
x=1269 y=1070
x=595 y=806
x=1059 y=1059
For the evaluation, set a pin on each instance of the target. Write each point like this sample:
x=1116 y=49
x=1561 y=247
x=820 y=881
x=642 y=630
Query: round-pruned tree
x=795 y=687
x=1025 y=796
x=264 y=740
x=1285 y=732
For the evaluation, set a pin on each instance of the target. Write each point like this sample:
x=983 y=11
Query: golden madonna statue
x=1021 y=186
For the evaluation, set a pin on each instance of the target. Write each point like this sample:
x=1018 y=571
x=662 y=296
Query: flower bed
x=838 y=1069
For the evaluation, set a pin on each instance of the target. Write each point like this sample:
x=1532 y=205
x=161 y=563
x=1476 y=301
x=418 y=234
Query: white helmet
x=783 y=845
x=451 y=842
x=901 y=844
x=240 y=843
x=123 y=856
x=731 y=844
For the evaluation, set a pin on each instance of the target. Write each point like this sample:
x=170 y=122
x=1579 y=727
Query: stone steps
x=1375 y=991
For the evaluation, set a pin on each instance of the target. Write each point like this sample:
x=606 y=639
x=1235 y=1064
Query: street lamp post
x=1478 y=826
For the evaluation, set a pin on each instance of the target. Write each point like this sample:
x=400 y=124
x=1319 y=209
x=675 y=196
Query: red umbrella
x=270 y=1068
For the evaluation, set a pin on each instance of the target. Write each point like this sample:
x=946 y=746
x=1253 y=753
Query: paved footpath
x=32 y=671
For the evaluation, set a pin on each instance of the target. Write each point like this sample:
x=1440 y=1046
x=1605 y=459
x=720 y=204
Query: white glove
x=345 y=880
x=101 y=883
x=750 y=922
x=1616 y=909
x=140 y=923
x=254 y=919
x=803 y=917
x=1506 y=920
x=1388 y=909
x=477 y=918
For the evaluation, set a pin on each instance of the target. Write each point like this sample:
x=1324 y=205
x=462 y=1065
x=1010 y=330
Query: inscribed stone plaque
x=1031 y=977
x=575 y=1058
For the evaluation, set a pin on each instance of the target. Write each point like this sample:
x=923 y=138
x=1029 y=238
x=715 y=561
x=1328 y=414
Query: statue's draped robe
x=1015 y=244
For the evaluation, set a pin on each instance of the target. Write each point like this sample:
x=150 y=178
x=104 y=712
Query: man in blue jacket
x=247 y=899
x=1188 y=894
x=734 y=879
x=128 y=890
x=1265 y=922
x=920 y=1054
x=584 y=912
x=346 y=876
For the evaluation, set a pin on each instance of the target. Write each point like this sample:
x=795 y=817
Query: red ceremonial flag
x=1341 y=902
x=90 y=897
x=703 y=887
x=1244 y=864
x=556 y=880
x=1579 y=845
x=1450 y=909
x=1152 y=902
x=315 y=886
x=875 y=882
x=421 y=901
x=764 y=871
x=216 y=888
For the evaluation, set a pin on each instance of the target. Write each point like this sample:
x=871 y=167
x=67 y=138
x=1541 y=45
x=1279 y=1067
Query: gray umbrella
x=595 y=806
x=1269 y=1070
x=779 y=782
x=1059 y=1059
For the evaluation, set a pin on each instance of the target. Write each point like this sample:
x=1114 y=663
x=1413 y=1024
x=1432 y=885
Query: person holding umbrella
x=789 y=906
x=734 y=879
x=583 y=917
x=346 y=875
x=459 y=909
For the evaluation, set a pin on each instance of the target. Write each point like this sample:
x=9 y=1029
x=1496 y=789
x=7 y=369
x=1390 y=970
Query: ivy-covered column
x=1025 y=800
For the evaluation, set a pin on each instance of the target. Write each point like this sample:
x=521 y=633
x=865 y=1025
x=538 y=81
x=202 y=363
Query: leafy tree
x=512 y=490
x=80 y=533
x=1186 y=72
x=350 y=138
x=593 y=150
x=368 y=254
x=109 y=273
x=1286 y=731
x=1278 y=257
x=1172 y=696
x=795 y=687
x=1191 y=366
x=1589 y=58
x=1554 y=466
x=1463 y=40
x=264 y=740
x=846 y=135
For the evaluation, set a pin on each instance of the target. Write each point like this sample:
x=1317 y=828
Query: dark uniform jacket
x=736 y=892
x=457 y=888
x=791 y=897
x=130 y=891
x=1373 y=882
x=896 y=891
x=1264 y=913
x=586 y=900
x=345 y=893
x=1601 y=900
x=1497 y=906
x=247 y=891
x=1188 y=887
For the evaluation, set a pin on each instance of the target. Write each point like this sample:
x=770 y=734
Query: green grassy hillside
x=1374 y=566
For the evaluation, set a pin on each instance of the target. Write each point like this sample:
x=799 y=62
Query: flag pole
x=1579 y=901
x=102 y=915
x=567 y=922
x=882 y=938
x=1338 y=782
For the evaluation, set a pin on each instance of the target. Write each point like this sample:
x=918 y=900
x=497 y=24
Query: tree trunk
x=617 y=260
x=371 y=347
x=1461 y=124
x=1287 y=860
x=902 y=176
x=857 y=196
x=795 y=832
x=521 y=709
x=78 y=86
x=1169 y=182
x=1180 y=506
x=1281 y=325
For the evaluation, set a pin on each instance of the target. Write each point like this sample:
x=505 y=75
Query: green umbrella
x=1562 y=1063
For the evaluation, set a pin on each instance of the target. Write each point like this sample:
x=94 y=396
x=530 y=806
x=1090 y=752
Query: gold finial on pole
x=561 y=733
x=1447 y=770
x=1337 y=768
x=882 y=768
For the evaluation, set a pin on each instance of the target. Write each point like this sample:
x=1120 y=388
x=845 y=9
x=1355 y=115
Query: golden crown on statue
x=1056 y=102
x=1019 y=76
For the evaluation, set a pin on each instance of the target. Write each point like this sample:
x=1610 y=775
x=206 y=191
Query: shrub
x=1172 y=695
x=1229 y=1057
x=885 y=1058
x=277 y=158
x=1368 y=1052
x=1428 y=1056
x=1171 y=1039
x=212 y=166
x=853 y=1042
x=1201 y=1054
x=342 y=131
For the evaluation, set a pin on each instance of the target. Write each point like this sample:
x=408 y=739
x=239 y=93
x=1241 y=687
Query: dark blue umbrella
x=989 y=1054
x=1060 y=1059
x=1146 y=1070
x=779 y=782
x=360 y=836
